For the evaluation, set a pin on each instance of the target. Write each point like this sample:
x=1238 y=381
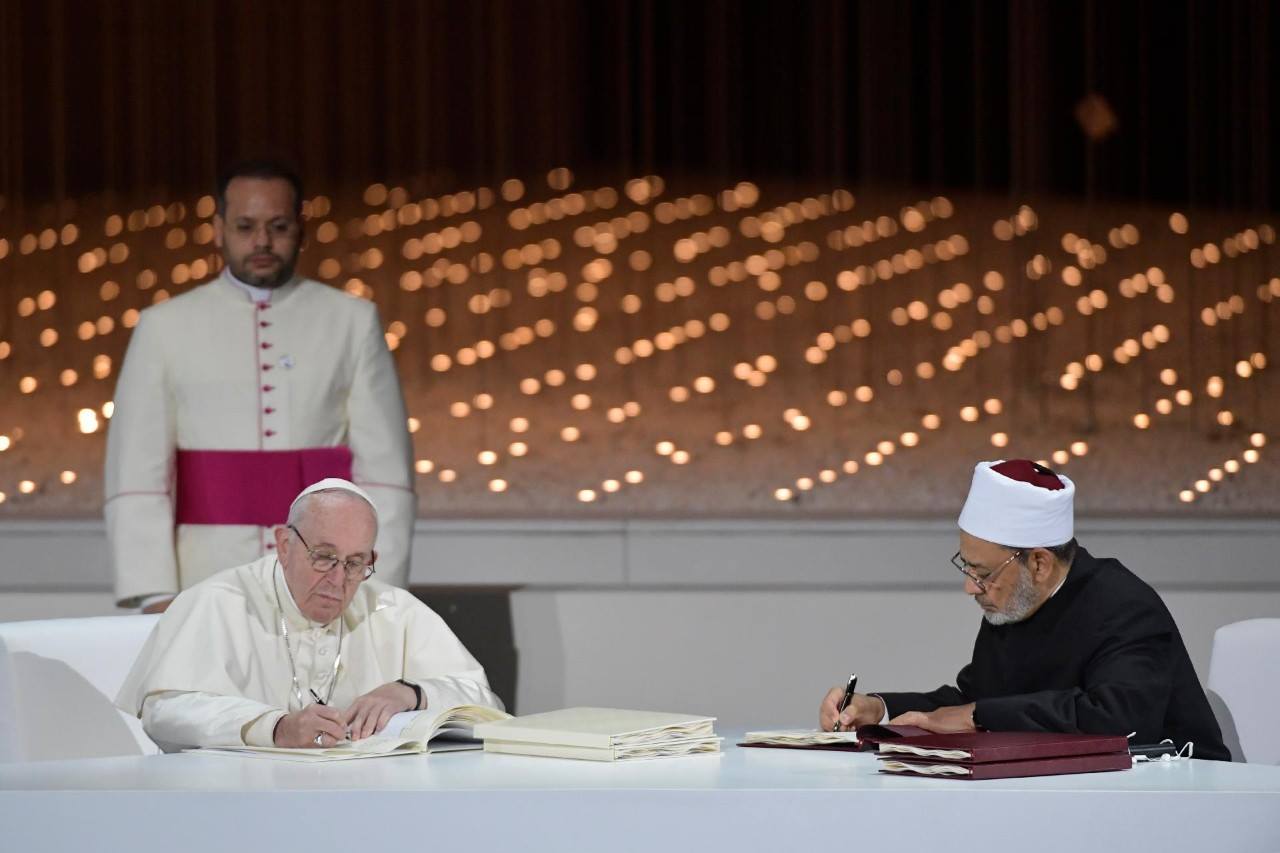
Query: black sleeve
x=1126 y=684
x=900 y=703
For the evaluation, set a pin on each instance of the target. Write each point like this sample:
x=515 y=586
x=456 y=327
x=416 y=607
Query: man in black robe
x=1069 y=642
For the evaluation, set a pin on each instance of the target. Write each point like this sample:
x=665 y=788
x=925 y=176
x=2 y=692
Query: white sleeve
x=446 y=691
x=382 y=453
x=177 y=719
x=139 y=473
x=436 y=661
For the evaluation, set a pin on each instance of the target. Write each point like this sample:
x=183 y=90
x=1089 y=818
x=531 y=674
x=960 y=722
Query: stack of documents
x=1004 y=755
x=601 y=734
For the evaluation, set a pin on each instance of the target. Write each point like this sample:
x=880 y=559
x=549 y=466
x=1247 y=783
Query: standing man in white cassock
x=236 y=395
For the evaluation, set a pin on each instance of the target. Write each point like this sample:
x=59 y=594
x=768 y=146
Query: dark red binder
x=1013 y=769
x=985 y=747
x=872 y=735
x=1008 y=755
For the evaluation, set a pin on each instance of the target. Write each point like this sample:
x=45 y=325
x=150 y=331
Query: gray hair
x=1022 y=602
x=1064 y=553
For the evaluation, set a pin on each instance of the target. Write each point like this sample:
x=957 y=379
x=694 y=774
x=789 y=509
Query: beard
x=274 y=278
x=1023 y=601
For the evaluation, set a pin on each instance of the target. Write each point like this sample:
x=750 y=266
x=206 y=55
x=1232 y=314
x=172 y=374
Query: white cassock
x=215 y=671
x=226 y=408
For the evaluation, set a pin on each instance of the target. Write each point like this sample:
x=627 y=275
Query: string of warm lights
x=1219 y=476
x=1125 y=235
x=622 y=328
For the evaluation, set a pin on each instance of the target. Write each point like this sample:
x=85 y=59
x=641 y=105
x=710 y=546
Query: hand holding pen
x=319 y=701
x=845 y=700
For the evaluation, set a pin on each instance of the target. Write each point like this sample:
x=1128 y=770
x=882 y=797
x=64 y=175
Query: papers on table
x=601 y=734
x=925 y=769
x=801 y=737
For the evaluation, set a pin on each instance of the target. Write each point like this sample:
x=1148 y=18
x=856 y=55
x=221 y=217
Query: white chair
x=1244 y=671
x=58 y=684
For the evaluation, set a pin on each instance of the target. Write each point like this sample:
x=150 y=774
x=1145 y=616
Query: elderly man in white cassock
x=301 y=648
x=1069 y=642
x=237 y=394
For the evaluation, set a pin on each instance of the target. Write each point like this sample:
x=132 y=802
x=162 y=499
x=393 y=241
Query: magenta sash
x=250 y=486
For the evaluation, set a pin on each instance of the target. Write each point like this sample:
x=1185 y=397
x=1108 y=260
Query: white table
x=746 y=799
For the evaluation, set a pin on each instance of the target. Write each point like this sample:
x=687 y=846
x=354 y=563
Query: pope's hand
x=945 y=720
x=300 y=728
x=863 y=710
x=369 y=714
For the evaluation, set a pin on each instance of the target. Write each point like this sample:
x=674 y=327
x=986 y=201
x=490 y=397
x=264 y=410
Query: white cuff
x=884 y=720
x=262 y=731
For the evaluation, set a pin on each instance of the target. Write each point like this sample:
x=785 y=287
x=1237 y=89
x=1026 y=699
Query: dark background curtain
x=139 y=97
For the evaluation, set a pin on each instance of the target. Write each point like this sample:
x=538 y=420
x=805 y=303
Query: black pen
x=844 y=702
x=319 y=701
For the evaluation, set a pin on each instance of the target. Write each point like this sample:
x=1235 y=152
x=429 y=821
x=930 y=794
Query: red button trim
x=268 y=388
x=265 y=345
x=264 y=324
x=266 y=367
x=271 y=546
x=269 y=410
x=269 y=433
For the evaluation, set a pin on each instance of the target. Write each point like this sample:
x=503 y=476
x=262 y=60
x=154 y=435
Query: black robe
x=1102 y=656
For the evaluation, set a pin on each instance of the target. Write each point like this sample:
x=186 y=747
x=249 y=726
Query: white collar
x=257 y=294
x=1060 y=583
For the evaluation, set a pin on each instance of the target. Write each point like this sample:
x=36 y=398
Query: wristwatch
x=417 y=692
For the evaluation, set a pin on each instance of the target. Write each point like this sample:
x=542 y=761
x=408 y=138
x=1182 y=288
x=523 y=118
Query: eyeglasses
x=967 y=569
x=325 y=562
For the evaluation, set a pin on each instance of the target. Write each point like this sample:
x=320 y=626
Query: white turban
x=338 y=484
x=1020 y=504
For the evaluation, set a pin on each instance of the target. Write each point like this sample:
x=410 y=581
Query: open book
x=601 y=734
x=865 y=737
x=407 y=733
x=803 y=738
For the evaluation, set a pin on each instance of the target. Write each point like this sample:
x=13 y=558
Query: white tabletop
x=745 y=799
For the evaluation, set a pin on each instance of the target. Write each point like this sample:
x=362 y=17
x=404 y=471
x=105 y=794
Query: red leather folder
x=1011 y=769
x=874 y=734
x=986 y=747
